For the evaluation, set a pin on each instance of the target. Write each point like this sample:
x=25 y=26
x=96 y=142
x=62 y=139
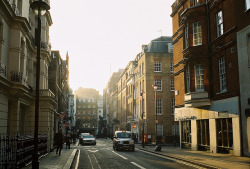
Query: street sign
x=134 y=126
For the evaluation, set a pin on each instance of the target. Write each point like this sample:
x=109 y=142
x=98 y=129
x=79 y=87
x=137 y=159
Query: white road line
x=120 y=155
x=77 y=161
x=137 y=165
x=90 y=160
x=96 y=161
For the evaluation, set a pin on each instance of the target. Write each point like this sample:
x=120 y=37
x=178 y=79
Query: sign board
x=223 y=114
x=134 y=126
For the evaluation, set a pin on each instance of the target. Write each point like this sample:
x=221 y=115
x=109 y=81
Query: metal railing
x=19 y=77
x=17 y=151
x=3 y=70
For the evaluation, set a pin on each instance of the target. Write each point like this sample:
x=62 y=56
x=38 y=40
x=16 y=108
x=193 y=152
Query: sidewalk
x=201 y=158
x=53 y=160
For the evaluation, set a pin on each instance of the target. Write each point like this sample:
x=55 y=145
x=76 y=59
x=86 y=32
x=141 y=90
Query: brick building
x=59 y=85
x=136 y=96
x=86 y=110
x=206 y=70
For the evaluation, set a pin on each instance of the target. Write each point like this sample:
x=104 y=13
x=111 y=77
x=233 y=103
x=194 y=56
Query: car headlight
x=118 y=142
x=131 y=142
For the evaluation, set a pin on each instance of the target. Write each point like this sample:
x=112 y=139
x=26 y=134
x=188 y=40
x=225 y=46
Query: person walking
x=68 y=140
x=59 y=141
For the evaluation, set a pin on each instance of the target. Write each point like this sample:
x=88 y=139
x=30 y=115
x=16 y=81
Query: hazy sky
x=102 y=36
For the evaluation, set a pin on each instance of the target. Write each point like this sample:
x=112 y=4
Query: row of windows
x=175 y=129
x=197 y=31
x=159 y=106
x=199 y=76
x=158 y=66
x=158 y=83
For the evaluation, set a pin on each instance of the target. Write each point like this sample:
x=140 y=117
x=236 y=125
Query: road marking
x=172 y=159
x=90 y=160
x=138 y=165
x=120 y=155
x=92 y=151
x=77 y=161
x=96 y=161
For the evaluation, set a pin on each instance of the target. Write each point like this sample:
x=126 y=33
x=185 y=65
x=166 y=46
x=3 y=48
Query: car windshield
x=123 y=135
x=89 y=136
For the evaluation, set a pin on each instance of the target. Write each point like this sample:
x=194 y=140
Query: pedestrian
x=68 y=140
x=59 y=141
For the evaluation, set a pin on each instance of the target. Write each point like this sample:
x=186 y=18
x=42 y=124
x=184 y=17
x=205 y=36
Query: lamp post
x=156 y=121
x=39 y=7
x=142 y=115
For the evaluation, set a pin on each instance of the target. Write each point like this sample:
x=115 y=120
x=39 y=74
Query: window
x=158 y=106
x=197 y=34
x=175 y=130
x=171 y=67
x=142 y=67
x=222 y=74
x=157 y=66
x=219 y=21
x=203 y=133
x=187 y=80
x=186 y=132
x=170 y=48
x=199 y=78
x=195 y=2
x=247 y=4
x=172 y=106
x=186 y=37
x=158 y=83
x=172 y=84
x=159 y=130
x=224 y=131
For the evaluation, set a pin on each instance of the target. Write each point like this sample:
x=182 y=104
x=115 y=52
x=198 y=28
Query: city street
x=103 y=156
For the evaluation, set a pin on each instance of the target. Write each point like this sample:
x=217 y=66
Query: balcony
x=19 y=77
x=3 y=70
x=196 y=99
x=46 y=93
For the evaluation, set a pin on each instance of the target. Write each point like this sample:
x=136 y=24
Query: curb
x=70 y=160
x=187 y=161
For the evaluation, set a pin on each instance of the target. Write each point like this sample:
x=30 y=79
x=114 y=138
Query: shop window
x=224 y=133
x=203 y=133
x=186 y=132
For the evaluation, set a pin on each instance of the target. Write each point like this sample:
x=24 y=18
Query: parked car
x=88 y=140
x=123 y=140
x=81 y=137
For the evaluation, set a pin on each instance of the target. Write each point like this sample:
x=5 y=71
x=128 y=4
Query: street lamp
x=40 y=8
x=142 y=115
x=156 y=121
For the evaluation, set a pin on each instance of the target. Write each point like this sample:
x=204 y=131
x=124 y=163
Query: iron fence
x=17 y=151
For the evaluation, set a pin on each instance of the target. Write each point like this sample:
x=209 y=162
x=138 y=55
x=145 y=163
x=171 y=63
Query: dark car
x=88 y=140
x=123 y=140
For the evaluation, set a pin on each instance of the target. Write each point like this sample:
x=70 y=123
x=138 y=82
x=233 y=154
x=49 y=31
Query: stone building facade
x=18 y=71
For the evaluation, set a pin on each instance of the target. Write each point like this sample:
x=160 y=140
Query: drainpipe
x=209 y=50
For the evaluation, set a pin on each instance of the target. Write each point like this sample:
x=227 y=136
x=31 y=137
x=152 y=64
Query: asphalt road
x=102 y=156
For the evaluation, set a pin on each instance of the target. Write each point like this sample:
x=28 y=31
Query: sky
x=102 y=36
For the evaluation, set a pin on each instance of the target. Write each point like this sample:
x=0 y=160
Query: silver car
x=88 y=140
x=123 y=140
